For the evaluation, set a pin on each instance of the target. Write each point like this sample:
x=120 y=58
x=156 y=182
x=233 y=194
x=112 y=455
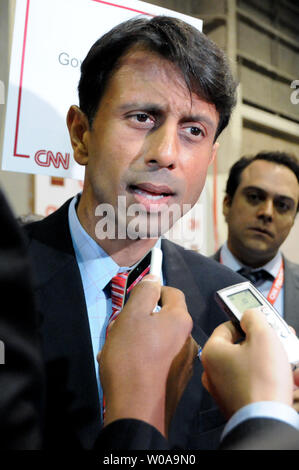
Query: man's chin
x=257 y=251
x=150 y=226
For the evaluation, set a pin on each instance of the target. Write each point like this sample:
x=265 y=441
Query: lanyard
x=277 y=285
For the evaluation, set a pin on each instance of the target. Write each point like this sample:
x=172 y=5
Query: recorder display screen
x=244 y=300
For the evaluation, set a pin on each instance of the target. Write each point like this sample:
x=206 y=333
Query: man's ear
x=214 y=152
x=78 y=127
x=226 y=206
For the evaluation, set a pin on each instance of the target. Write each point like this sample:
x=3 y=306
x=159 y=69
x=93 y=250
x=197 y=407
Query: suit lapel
x=65 y=331
x=196 y=413
x=177 y=274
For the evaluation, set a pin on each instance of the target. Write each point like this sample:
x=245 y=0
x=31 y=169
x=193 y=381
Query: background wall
x=261 y=39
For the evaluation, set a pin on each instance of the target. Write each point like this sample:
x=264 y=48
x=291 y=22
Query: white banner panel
x=50 y=40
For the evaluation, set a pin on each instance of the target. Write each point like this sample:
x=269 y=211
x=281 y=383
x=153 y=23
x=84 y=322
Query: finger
x=226 y=332
x=173 y=298
x=99 y=357
x=193 y=348
x=223 y=337
x=144 y=296
x=253 y=321
x=292 y=330
x=204 y=380
x=110 y=326
x=174 y=304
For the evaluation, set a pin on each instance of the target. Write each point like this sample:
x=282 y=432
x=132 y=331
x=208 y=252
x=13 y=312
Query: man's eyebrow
x=198 y=118
x=136 y=105
x=256 y=188
x=158 y=109
x=263 y=191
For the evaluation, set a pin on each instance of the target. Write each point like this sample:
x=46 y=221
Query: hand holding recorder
x=256 y=369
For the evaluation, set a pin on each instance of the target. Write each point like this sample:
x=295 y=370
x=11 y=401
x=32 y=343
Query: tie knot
x=255 y=276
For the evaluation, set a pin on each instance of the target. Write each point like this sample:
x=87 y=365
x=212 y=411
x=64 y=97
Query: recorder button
x=272 y=322
x=265 y=310
x=284 y=333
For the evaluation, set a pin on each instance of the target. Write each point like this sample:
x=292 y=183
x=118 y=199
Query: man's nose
x=265 y=210
x=163 y=148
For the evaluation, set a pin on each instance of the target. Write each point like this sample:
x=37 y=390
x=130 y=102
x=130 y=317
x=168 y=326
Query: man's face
x=262 y=211
x=150 y=142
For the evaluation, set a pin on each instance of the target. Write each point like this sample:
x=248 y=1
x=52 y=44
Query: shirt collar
x=229 y=260
x=90 y=255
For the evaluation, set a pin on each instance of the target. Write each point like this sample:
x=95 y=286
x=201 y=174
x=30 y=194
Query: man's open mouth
x=151 y=191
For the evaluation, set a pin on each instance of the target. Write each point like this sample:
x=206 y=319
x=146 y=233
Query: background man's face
x=150 y=141
x=262 y=211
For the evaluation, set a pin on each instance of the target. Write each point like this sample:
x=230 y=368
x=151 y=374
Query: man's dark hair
x=203 y=65
x=281 y=158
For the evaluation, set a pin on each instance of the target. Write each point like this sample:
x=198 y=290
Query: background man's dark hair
x=281 y=158
x=203 y=65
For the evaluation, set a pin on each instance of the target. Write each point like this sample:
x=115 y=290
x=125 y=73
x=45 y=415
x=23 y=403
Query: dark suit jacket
x=261 y=434
x=21 y=375
x=72 y=411
x=252 y=434
x=291 y=291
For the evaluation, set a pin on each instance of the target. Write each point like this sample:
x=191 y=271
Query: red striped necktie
x=118 y=284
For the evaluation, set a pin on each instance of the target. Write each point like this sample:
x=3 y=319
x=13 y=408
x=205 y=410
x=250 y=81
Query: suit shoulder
x=199 y=264
x=49 y=227
x=291 y=265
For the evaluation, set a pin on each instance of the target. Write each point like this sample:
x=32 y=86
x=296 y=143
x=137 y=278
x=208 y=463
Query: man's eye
x=142 y=120
x=282 y=206
x=195 y=131
x=141 y=117
x=252 y=197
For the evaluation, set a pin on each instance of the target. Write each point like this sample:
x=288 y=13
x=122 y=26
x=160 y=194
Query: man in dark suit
x=154 y=96
x=260 y=207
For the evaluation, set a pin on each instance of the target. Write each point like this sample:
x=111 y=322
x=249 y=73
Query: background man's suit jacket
x=72 y=410
x=291 y=291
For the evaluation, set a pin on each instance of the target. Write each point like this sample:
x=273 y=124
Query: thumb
x=146 y=293
x=99 y=357
x=252 y=320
